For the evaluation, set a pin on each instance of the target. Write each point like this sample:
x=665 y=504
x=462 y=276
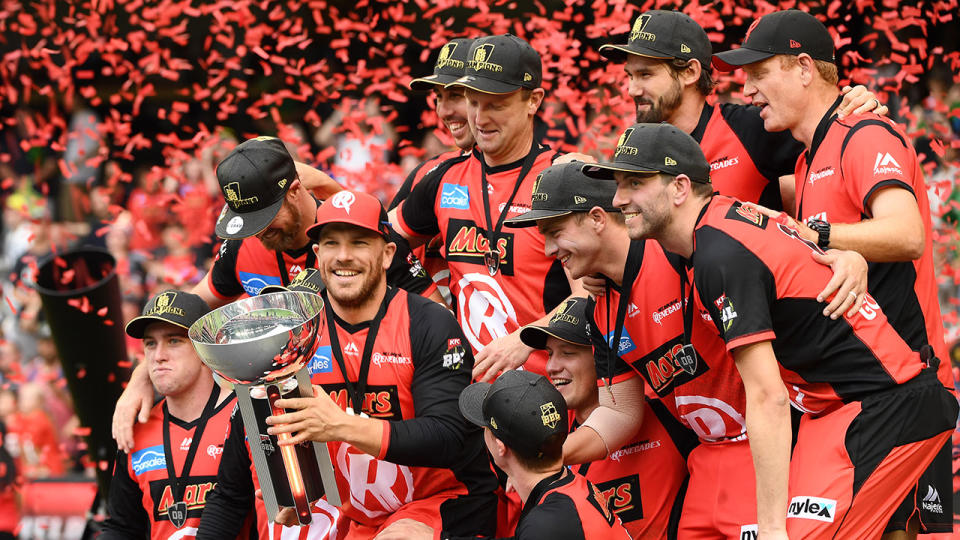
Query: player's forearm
x=768 y=427
x=364 y=434
x=889 y=239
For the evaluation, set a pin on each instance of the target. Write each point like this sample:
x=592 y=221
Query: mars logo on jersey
x=254 y=283
x=663 y=370
x=467 y=243
x=148 y=459
x=624 y=496
x=194 y=495
x=379 y=401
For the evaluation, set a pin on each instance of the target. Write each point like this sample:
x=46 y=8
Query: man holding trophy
x=386 y=401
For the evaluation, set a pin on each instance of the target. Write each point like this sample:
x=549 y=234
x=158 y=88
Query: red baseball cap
x=353 y=207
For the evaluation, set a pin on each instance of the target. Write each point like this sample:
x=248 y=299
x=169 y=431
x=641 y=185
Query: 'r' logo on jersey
x=885 y=164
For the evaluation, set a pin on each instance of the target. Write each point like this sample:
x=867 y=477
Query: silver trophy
x=262 y=345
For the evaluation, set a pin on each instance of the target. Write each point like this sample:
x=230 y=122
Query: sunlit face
x=644 y=201
x=282 y=233
x=353 y=262
x=499 y=122
x=775 y=90
x=655 y=90
x=452 y=110
x=572 y=371
x=173 y=362
x=573 y=241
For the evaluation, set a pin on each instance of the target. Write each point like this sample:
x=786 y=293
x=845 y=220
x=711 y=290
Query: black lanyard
x=179 y=482
x=492 y=256
x=356 y=392
x=631 y=269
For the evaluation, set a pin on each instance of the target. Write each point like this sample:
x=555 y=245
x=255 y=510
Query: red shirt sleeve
x=874 y=158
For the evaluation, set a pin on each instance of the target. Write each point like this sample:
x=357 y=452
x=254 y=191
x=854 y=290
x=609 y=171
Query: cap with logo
x=654 y=148
x=782 y=32
x=561 y=190
x=308 y=281
x=254 y=178
x=450 y=65
x=353 y=207
x=500 y=65
x=569 y=324
x=175 y=307
x=521 y=408
x=666 y=35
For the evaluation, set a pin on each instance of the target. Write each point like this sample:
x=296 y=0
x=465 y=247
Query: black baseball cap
x=501 y=65
x=561 y=190
x=254 y=178
x=782 y=32
x=663 y=34
x=450 y=65
x=175 y=307
x=654 y=148
x=521 y=408
x=308 y=281
x=569 y=324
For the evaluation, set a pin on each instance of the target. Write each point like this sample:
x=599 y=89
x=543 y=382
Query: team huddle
x=728 y=330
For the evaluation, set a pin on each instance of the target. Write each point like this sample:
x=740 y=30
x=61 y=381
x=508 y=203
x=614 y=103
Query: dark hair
x=700 y=189
x=551 y=452
x=8 y=468
x=705 y=84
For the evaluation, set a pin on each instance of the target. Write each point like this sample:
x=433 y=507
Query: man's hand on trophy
x=320 y=419
x=286 y=516
x=134 y=404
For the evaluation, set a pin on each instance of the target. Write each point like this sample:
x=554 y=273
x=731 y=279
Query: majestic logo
x=254 y=283
x=549 y=415
x=148 y=459
x=812 y=508
x=351 y=349
x=822 y=173
x=794 y=44
x=164 y=304
x=343 y=200
x=185 y=444
x=231 y=192
x=454 y=196
x=445 y=59
x=481 y=59
x=637 y=32
x=931 y=501
x=669 y=161
x=577 y=199
x=885 y=164
x=622 y=147
x=321 y=363
x=467 y=243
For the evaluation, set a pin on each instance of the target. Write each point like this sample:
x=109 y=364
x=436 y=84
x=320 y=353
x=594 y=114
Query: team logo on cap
x=303 y=280
x=537 y=195
x=750 y=30
x=622 y=147
x=343 y=200
x=481 y=59
x=669 y=161
x=549 y=415
x=637 y=31
x=563 y=316
x=445 y=59
x=231 y=192
x=164 y=304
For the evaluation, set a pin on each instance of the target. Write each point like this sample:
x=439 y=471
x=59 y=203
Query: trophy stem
x=290 y=463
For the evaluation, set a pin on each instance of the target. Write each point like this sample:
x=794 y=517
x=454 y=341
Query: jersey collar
x=701 y=128
x=543 y=486
x=822 y=128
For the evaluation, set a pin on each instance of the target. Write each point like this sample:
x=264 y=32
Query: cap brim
x=617 y=53
x=138 y=325
x=529 y=219
x=471 y=402
x=536 y=337
x=482 y=84
x=249 y=224
x=272 y=289
x=605 y=171
x=732 y=59
x=425 y=84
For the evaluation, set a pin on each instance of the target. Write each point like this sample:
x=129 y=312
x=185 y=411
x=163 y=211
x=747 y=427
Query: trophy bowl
x=261 y=338
x=262 y=345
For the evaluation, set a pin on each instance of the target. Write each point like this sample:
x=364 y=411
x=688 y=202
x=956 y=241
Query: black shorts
x=931 y=498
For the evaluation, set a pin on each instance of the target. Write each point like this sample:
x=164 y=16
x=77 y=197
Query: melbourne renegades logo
x=485 y=311
x=377 y=488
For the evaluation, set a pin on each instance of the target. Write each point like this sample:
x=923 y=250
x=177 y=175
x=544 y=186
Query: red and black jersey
x=244 y=267
x=419 y=365
x=848 y=162
x=644 y=506
x=141 y=491
x=449 y=202
x=746 y=162
x=758 y=282
x=565 y=505
x=707 y=397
